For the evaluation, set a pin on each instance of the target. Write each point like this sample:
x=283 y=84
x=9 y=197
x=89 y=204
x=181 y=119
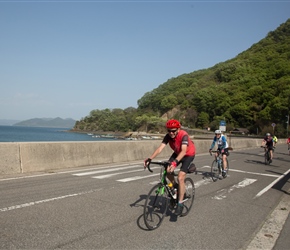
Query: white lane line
x=247 y=172
x=222 y=194
x=29 y=204
x=267 y=236
x=137 y=178
x=271 y=184
x=107 y=170
x=125 y=172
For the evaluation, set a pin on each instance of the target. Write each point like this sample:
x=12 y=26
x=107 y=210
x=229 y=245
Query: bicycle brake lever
x=148 y=166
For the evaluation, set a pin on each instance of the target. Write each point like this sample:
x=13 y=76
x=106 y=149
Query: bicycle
x=267 y=155
x=217 y=166
x=159 y=197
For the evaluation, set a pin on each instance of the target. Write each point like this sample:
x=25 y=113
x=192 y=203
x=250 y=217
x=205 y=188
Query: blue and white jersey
x=221 y=142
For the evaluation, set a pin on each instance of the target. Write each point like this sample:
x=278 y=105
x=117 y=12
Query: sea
x=43 y=134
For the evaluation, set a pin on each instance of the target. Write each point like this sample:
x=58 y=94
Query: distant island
x=48 y=122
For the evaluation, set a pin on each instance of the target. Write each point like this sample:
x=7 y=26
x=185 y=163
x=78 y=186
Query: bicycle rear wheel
x=155 y=207
x=215 y=171
x=188 y=196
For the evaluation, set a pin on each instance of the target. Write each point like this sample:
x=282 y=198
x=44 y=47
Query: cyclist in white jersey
x=222 y=144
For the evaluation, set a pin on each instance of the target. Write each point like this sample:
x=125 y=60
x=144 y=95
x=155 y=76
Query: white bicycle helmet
x=218 y=132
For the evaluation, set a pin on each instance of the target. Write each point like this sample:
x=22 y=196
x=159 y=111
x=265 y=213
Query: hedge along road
x=101 y=207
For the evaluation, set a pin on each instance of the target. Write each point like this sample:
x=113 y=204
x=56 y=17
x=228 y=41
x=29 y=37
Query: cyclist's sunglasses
x=171 y=130
x=217 y=134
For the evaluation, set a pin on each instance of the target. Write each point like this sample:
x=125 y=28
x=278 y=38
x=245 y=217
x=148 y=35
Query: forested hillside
x=251 y=91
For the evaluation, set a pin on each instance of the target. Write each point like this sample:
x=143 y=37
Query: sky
x=67 y=58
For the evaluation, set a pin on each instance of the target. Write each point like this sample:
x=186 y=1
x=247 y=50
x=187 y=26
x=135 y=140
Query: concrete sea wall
x=25 y=157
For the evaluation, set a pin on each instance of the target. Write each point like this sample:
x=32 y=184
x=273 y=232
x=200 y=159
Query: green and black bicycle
x=161 y=197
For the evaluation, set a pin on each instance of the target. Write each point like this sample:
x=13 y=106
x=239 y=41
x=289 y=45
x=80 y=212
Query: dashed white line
x=29 y=204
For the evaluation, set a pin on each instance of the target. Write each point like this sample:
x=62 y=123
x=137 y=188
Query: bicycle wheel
x=267 y=158
x=215 y=170
x=188 y=196
x=155 y=207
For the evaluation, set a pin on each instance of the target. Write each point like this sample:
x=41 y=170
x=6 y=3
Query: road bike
x=161 y=197
x=267 y=155
x=217 y=166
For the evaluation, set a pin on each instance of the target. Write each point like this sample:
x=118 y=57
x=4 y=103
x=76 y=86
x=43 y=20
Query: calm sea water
x=32 y=134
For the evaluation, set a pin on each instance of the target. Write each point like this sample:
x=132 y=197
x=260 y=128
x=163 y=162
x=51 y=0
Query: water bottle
x=172 y=190
x=175 y=193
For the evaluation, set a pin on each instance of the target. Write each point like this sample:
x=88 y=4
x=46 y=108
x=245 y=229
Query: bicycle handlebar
x=161 y=163
x=214 y=151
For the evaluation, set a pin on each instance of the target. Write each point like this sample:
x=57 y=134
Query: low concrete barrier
x=24 y=157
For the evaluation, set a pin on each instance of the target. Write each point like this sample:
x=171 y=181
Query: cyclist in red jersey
x=183 y=153
x=288 y=142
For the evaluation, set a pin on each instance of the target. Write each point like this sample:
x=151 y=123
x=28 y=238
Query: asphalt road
x=101 y=207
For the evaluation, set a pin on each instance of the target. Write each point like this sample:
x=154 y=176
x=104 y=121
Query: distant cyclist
x=184 y=153
x=269 y=144
x=288 y=142
x=222 y=144
x=275 y=140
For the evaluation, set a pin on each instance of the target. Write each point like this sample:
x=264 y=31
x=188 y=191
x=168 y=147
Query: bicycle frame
x=219 y=158
x=163 y=181
x=217 y=166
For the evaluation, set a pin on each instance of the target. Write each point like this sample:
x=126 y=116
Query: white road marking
x=29 y=204
x=202 y=182
x=247 y=172
x=137 y=178
x=107 y=170
x=272 y=184
x=267 y=236
x=110 y=175
x=222 y=194
x=63 y=172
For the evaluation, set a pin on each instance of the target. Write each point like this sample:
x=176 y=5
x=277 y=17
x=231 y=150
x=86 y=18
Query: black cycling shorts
x=226 y=151
x=186 y=162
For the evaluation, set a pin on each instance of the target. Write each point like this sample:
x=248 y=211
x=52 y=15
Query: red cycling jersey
x=182 y=138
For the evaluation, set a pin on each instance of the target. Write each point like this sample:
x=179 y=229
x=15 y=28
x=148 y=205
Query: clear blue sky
x=66 y=58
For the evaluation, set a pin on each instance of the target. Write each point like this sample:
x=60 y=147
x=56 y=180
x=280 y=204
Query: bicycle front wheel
x=215 y=170
x=267 y=158
x=155 y=207
x=188 y=196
